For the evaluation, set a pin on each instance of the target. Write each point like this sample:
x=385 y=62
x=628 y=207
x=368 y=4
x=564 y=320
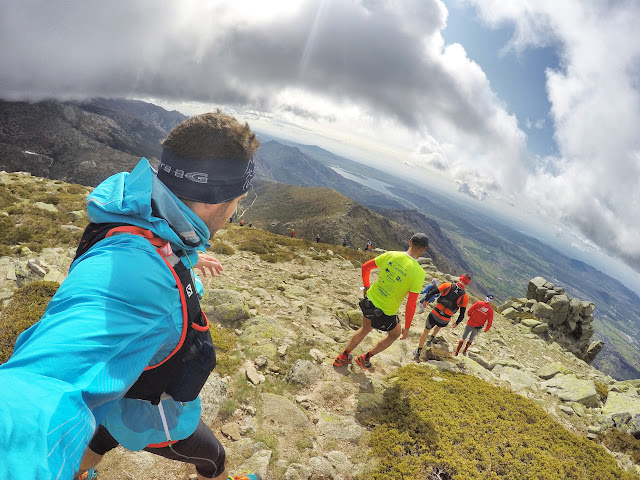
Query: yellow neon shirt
x=399 y=274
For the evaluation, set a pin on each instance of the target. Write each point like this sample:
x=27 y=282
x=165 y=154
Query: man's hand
x=207 y=262
x=364 y=292
x=405 y=334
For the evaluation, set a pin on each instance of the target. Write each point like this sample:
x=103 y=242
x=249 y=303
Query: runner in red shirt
x=479 y=314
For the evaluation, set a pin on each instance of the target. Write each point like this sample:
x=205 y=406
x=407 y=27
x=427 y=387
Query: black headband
x=206 y=180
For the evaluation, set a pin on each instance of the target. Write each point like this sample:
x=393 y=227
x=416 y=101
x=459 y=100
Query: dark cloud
x=371 y=54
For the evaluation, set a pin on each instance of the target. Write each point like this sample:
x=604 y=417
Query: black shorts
x=379 y=320
x=433 y=321
x=201 y=448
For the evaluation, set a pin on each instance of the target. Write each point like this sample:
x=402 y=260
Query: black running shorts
x=433 y=321
x=201 y=449
x=379 y=320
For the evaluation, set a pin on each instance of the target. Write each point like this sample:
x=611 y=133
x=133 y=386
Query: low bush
x=222 y=248
x=24 y=309
x=602 y=390
x=473 y=430
x=622 y=442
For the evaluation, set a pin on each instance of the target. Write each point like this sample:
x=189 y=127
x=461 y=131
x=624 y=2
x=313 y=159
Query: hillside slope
x=337 y=219
x=516 y=407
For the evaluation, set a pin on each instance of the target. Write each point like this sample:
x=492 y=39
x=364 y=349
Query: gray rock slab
x=621 y=403
x=572 y=389
x=551 y=370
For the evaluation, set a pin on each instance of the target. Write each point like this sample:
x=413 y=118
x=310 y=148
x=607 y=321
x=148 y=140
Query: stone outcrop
x=563 y=319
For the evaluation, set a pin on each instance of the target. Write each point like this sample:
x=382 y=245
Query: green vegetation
x=227 y=358
x=221 y=247
x=472 y=429
x=602 y=390
x=623 y=442
x=25 y=308
x=36 y=228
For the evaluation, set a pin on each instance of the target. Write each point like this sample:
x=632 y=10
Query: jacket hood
x=139 y=198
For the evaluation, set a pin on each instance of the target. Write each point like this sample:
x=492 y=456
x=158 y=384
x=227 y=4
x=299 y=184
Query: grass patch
x=228 y=406
x=478 y=431
x=227 y=360
x=25 y=308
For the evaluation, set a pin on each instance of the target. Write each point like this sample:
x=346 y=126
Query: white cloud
x=370 y=73
x=595 y=103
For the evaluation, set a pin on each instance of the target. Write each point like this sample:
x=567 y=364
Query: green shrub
x=24 y=309
x=228 y=406
x=622 y=442
x=475 y=431
x=602 y=390
x=227 y=361
x=222 y=248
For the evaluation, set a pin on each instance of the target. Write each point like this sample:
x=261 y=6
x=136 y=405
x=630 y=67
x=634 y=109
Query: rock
x=530 y=322
x=510 y=313
x=594 y=348
x=258 y=462
x=46 y=206
x=517 y=378
x=224 y=305
x=321 y=469
x=559 y=303
x=542 y=311
x=481 y=360
x=538 y=329
x=280 y=413
x=231 y=430
x=621 y=403
x=551 y=370
x=317 y=355
x=578 y=409
x=505 y=362
x=566 y=409
x=253 y=375
x=296 y=471
x=261 y=362
x=588 y=308
x=304 y=372
x=339 y=427
x=571 y=389
x=354 y=317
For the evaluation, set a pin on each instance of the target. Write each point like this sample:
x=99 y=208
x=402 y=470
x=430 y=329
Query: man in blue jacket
x=81 y=380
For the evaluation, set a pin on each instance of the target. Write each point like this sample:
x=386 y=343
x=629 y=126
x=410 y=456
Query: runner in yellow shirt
x=400 y=274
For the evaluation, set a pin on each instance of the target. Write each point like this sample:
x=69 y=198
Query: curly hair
x=214 y=135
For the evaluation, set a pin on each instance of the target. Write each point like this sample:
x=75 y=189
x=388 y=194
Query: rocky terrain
x=281 y=316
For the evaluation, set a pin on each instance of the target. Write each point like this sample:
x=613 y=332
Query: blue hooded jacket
x=117 y=311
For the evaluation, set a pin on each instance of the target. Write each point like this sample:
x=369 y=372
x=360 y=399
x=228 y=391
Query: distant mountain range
x=84 y=142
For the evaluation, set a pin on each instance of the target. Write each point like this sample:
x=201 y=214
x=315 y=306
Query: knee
x=366 y=329
x=395 y=333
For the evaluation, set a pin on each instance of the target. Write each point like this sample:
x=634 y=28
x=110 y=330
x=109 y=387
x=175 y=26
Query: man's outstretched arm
x=366 y=274
x=409 y=311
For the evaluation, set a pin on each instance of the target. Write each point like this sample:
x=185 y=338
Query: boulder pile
x=554 y=314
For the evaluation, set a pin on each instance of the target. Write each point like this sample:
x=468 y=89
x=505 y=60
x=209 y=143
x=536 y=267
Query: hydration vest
x=449 y=301
x=183 y=373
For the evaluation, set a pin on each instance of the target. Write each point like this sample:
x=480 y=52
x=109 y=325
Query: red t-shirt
x=479 y=314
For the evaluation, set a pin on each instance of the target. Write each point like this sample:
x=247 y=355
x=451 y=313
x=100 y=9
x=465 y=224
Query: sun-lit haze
x=522 y=103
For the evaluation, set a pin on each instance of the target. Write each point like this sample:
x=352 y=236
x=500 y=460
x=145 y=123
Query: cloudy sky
x=532 y=103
